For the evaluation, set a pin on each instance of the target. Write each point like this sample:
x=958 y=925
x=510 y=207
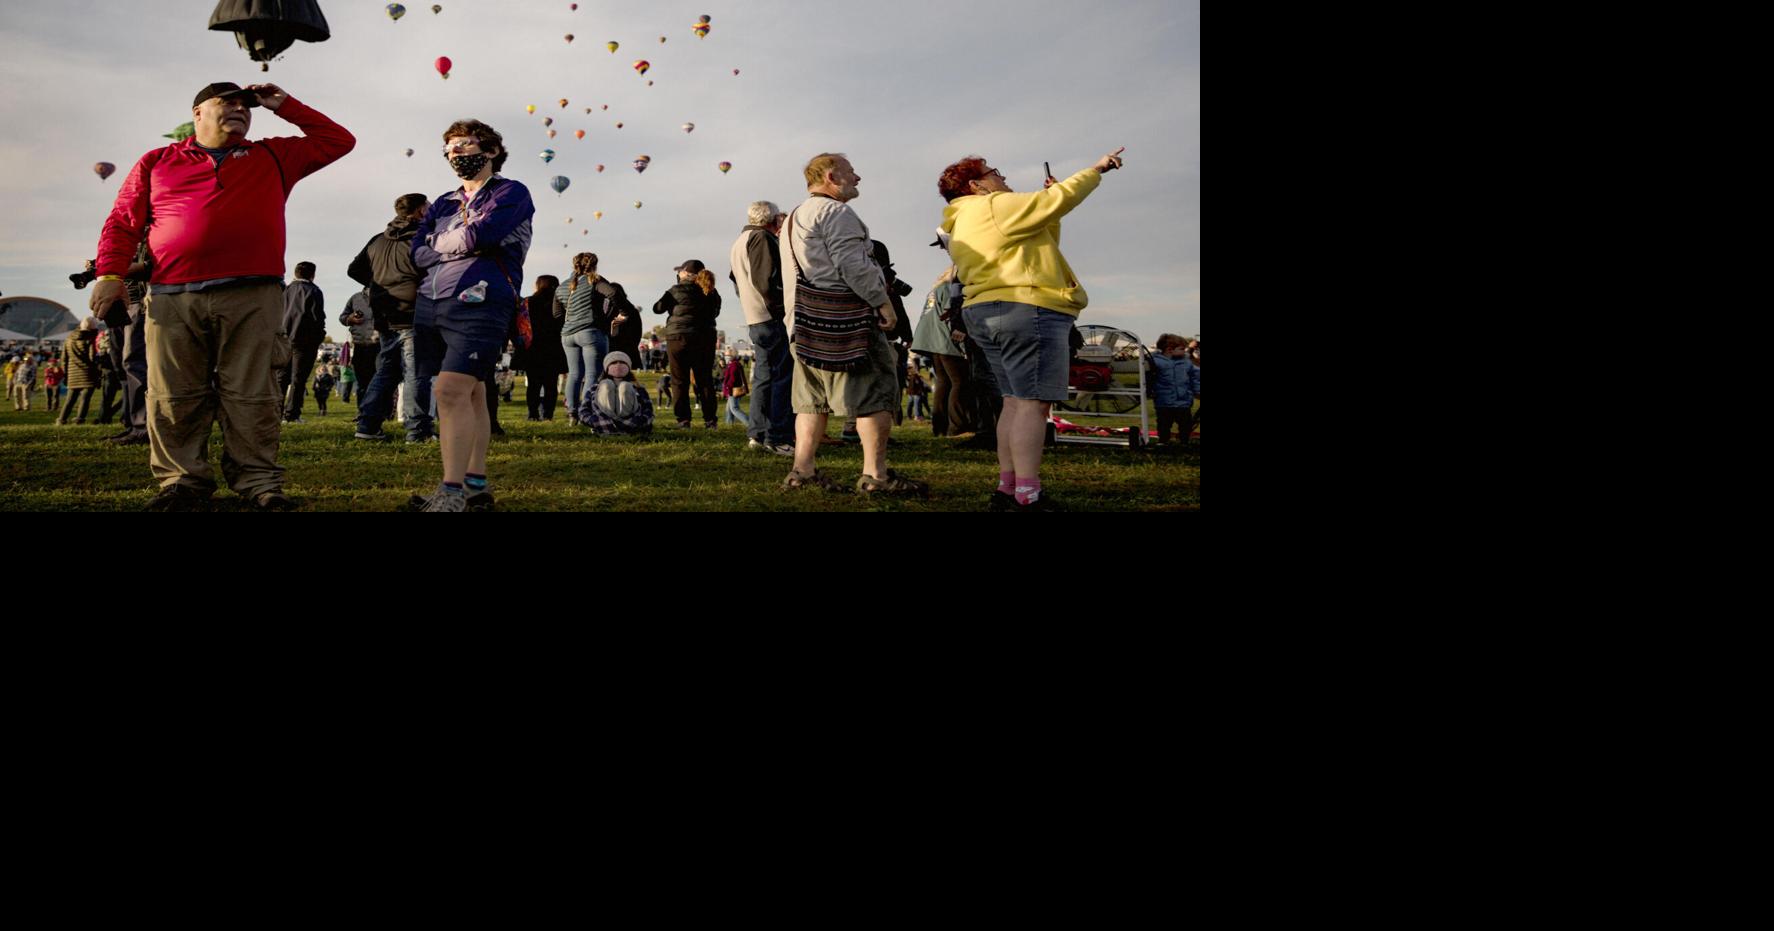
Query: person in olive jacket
x=83 y=368
x=693 y=305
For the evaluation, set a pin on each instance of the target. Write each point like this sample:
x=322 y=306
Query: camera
x=81 y=279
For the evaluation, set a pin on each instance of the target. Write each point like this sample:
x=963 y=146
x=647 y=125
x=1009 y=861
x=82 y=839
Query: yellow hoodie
x=1006 y=246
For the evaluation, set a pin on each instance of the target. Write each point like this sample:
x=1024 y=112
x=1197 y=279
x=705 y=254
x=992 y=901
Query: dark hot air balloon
x=104 y=170
x=560 y=183
x=265 y=28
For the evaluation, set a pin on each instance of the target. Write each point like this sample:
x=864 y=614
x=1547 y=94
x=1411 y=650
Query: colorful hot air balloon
x=597 y=215
x=547 y=156
x=661 y=40
x=725 y=167
x=569 y=38
x=569 y=221
x=618 y=125
x=573 y=6
x=185 y=131
x=443 y=67
x=104 y=170
x=642 y=66
x=559 y=183
x=689 y=127
x=547 y=121
x=587 y=109
x=605 y=106
x=637 y=205
x=612 y=46
x=649 y=83
x=436 y=8
x=551 y=133
x=531 y=109
x=736 y=72
x=600 y=169
x=701 y=27
x=396 y=11
x=563 y=103
x=641 y=162
x=579 y=134
x=585 y=232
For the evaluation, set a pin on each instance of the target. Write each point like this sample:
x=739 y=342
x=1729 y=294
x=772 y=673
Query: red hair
x=956 y=177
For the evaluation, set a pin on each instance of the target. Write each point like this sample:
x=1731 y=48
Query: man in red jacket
x=212 y=209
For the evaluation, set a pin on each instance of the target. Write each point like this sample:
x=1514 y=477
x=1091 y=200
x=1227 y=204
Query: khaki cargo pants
x=214 y=355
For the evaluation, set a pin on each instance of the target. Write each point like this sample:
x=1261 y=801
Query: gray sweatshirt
x=833 y=248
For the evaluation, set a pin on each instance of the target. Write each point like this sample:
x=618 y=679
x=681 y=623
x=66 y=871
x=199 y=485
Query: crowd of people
x=441 y=303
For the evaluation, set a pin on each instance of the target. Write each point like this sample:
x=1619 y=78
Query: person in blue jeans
x=757 y=276
x=385 y=267
x=584 y=331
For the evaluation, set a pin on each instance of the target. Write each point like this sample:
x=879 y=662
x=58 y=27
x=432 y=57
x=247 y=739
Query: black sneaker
x=132 y=438
x=273 y=501
x=376 y=437
x=1001 y=502
x=179 y=498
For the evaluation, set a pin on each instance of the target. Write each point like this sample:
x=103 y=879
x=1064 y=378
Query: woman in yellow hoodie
x=1020 y=301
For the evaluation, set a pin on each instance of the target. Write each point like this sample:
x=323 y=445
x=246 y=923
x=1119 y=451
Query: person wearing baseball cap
x=215 y=299
x=692 y=305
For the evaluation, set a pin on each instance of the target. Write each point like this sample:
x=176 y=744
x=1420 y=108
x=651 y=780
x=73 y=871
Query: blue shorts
x=1028 y=347
x=465 y=339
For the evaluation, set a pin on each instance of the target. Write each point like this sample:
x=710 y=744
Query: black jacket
x=385 y=266
x=691 y=310
x=304 y=314
x=545 y=354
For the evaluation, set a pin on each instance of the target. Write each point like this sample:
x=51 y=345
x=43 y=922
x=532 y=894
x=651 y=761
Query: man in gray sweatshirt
x=837 y=303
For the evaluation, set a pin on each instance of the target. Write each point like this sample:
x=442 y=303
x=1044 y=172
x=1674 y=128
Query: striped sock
x=1028 y=490
x=477 y=482
x=1007 y=482
x=451 y=488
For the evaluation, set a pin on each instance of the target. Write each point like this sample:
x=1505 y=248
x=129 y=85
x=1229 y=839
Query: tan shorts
x=870 y=389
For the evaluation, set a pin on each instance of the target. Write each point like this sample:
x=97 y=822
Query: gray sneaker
x=445 y=502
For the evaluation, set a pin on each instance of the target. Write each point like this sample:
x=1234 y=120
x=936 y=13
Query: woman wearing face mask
x=470 y=248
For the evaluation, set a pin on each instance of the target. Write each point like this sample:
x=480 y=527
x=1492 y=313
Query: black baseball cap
x=225 y=89
x=693 y=266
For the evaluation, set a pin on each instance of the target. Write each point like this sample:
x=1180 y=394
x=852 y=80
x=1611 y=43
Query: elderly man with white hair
x=757 y=274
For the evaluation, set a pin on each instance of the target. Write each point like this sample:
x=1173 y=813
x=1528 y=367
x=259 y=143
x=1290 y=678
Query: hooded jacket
x=385 y=266
x=217 y=221
x=304 y=314
x=1006 y=245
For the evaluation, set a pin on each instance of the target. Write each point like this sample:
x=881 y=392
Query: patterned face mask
x=467 y=166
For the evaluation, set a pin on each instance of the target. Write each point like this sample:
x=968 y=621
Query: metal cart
x=1108 y=380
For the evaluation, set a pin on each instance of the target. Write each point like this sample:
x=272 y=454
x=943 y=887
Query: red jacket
x=217 y=222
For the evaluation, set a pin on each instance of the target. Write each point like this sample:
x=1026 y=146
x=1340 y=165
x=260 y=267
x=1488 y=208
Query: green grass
x=556 y=467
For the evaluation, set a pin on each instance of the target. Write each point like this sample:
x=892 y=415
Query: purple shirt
x=457 y=251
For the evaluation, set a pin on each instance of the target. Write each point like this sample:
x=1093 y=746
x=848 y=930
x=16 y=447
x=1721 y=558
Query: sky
x=904 y=88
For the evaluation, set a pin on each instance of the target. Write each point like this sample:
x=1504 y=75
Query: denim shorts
x=464 y=339
x=1028 y=347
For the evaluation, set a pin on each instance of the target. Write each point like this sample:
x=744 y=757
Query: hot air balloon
x=649 y=83
x=531 y=109
x=637 y=205
x=396 y=11
x=547 y=156
x=618 y=125
x=605 y=106
x=689 y=127
x=436 y=8
x=579 y=134
x=547 y=121
x=559 y=183
x=563 y=103
x=183 y=132
x=587 y=109
x=443 y=67
x=641 y=162
x=736 y=72
x=104 y=170
x=661 y=40
x=569 y=38
x=551 y=133
x=266 y=29
x=612 y=46
x=600 y=169
x=585 y=232
x=597 y=215
x=409 y=153
x=573 y=6
x=642 y=66
x=569 y=221
x=701 y=27
x=725 y=167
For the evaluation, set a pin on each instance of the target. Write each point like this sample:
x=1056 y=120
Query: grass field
x=552 y=466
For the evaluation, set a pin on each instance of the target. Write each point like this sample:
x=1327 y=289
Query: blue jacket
x=454 y=253
x=1175 y=382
